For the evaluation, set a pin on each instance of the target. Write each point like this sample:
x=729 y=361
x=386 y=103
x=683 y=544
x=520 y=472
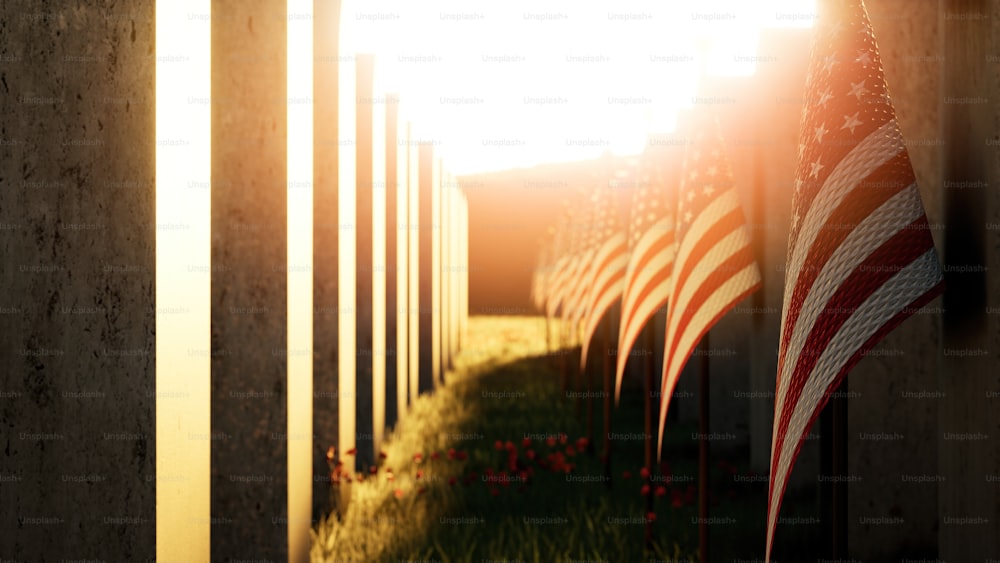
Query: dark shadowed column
x=968 y=457
x=428 y=373
x=413 y=317
x=77 y=220
x=326 y=228
x=391 y=268
x=364 y=355
x=249 y=326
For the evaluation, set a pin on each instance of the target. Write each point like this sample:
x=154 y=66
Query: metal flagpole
x=606 y=363
x=703 y=430
x=650 y=407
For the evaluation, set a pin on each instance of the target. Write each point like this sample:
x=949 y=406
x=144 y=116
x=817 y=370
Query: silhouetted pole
x=839 y=508
x=648 y=388
x=607 y=368
x=703 y=429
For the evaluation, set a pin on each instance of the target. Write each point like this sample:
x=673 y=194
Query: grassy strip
x=493 y=466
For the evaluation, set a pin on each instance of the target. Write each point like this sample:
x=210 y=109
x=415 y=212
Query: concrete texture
x=364 y=306
x=249 y=319
x=326 y=230
x=428 y=370
x=969 y=381
x=77 y=236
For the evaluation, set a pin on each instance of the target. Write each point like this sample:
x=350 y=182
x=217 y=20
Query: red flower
x=644 y=490
x=644 y=473
x=675 y=499
x=581 y=443
x=382 y=455
x=563 y=438
x=451 y=453
x=570 y=451
x=626 y=474
x=660 y=491
x=418 y=457
x=436 y=455
x=510 y=446
x=498 y=445
x=372 y=469
x=651 y=516
x=399 y=493
x=526 y=443
x=550 y=441
x=419 y=474
x=351 y=451
x=530 y=454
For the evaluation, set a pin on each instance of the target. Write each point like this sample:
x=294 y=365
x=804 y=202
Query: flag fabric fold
x=860 y=255
x=651 y=255
x=714 y=267
x=605 y=280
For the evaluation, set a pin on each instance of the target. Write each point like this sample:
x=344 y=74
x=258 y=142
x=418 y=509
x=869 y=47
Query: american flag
x=574 y=300
x=860 y=254
x=605 y=280
x=651 y=253
x=714 y=268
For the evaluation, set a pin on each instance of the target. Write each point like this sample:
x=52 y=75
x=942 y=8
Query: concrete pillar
x=393 y=236
x=326 y=229
x=415 y=274
x=249 y=320
x=364 y=244
x=77 y=220
x=439 y=308
x=429 y=352
x=969 y=382
x=892 y=393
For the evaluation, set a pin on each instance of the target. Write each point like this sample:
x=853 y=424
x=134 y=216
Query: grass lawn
x=493 y=466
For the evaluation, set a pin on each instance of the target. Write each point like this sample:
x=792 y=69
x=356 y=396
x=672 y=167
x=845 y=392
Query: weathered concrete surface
x=77 y=234
x=428 y=356
x=969 y=378
x=249 y=318
x=326 y=229
x=891 y=392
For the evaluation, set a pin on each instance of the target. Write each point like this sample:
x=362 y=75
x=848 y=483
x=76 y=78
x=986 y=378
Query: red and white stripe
x=607 y=280
x=646 y=287
x=861 y=258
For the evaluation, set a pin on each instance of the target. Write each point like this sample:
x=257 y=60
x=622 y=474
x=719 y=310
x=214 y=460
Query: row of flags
x=860 y=255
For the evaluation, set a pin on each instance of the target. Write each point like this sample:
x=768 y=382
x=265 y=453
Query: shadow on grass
x=493 y=466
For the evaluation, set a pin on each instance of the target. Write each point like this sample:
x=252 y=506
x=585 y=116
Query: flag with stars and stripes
x=607 y=270
x=651 y=253
x=714 y=268
x=860 y=254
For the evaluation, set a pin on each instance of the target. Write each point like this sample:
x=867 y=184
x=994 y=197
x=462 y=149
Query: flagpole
x=839 y=459
x=703 y=429
x=648 y=386
x=606 y=362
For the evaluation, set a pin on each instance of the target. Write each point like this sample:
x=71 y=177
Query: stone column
x=249 y=320
x=969 y=381
x=392 y=238
x=429 y=354
x=326 y=229
x=414 y=265
x=77 y=315
x=364 y=350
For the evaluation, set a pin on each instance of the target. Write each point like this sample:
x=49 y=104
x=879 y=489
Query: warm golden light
x=300 y=276
x=523 y=83
x=183 y=266
x=346 y=250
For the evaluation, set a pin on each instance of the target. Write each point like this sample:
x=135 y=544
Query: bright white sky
x=657 y=56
